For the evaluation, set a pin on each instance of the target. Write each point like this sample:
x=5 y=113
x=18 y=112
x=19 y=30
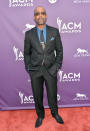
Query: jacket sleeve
x=59 y=51
x=27 y=52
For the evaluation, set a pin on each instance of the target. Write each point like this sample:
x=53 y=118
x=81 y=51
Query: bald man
x=42 y=63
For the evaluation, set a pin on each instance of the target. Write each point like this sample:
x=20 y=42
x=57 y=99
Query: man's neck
x=41 y=26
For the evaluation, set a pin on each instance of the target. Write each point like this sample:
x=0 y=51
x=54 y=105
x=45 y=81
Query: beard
x=41 y=21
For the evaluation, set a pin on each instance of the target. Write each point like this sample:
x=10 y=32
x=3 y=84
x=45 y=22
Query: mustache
x=40 y=18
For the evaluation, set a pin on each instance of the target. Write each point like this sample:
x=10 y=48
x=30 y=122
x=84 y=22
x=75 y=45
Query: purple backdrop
x=73 y=21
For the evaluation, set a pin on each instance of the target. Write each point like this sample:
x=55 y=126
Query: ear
x=46 y=16
x=34 y=18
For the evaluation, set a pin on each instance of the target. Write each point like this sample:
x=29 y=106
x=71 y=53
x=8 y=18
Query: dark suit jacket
x=34 y=54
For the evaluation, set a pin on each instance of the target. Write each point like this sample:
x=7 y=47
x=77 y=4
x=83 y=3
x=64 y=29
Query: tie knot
x=41 y=31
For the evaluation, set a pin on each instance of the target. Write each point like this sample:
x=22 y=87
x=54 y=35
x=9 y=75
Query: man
x=42 y=63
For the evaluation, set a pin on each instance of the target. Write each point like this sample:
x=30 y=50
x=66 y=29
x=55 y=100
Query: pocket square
x=52 y=38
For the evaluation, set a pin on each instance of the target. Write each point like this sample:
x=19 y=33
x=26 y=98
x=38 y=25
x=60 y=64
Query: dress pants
x=37 y=81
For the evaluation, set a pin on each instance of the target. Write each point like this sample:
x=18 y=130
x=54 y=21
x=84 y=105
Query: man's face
x=40 y=16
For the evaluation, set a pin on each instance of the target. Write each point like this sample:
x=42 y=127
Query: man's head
x=40 y=16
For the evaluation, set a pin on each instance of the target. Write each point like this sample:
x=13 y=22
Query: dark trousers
x=37 y=81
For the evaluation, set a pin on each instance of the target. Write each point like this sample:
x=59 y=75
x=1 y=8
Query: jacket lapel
x=47 y=34
x=36 y=35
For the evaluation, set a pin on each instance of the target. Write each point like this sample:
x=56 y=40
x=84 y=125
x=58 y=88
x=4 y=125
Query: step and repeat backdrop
x=72 y=19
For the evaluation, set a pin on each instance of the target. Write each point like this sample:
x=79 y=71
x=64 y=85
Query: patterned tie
x=42 y=40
